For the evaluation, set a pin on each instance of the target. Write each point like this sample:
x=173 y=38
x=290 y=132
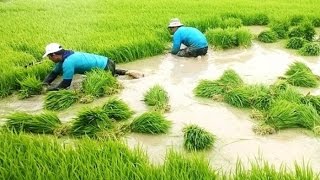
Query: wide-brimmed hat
x=52 y=48
x=175 y=22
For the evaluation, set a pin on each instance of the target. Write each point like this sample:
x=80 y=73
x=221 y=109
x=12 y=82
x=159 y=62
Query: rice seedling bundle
x=295 y=43
x=310 y=49
x=196 y=138
x=263 y=129
x=205 y=23
x=60 y=100
x=230 y=78
x=99 y=82
x=296 y=19
x=299 y=74
x=284 y=114
x=243 y=37
x=158 y=98
x=315 y=21
x=239 y=96
x=44 y=123
x=30 y=86
x=281 y=28
x=89 y=122
x=150 y=123
x=304 y=30
x=279 y=86
x=221 y=39
x=208 y=89
x=231 y=23
x=117 y=109
x=289 y=94
x=312 y=100
x=261 y=96
x=268 y=36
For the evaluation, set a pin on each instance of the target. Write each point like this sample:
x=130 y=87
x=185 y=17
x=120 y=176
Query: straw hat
x=175 y=22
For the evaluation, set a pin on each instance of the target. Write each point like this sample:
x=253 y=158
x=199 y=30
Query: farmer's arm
x=176 y=43
x=68 y=72
x=53 y=75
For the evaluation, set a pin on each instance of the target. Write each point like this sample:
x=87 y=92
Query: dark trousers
x=192 y=52
x=111 y=66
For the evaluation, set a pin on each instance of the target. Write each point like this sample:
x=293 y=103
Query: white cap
x=175 y=22
x=52 y=48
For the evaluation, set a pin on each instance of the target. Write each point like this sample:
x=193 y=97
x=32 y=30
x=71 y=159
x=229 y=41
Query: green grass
x=157 y=97
x=99 y=82
x=60 y=100
x=30 y=86
x=117 y=109
x=150 y=123
x=89 y=122
x=197 y=138
x=45 y=123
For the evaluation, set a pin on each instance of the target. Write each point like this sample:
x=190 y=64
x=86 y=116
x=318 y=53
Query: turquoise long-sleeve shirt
x=79 y=63
x=190 y=37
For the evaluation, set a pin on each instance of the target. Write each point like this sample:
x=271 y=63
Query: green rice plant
x=281 y=28
x=197 y=138
x=208 y=89
x=305 y=30
x=89 y=122
x=204 y=24
x=299 y=74
x=230 y=78
x=315 y=21
x=289 y=94
x=312 y=101
x=279 y=86
x=150 y=123
x=157 y=97
x=297 y=19
x=189 y=166
x=284 y=114
x=60 y=100
x=221 y=39
x=310 y=49
x=255 y=19
x=30 y=86
x=99 y=83
x=261 y=97
x=117 y=109
x=267 y=36
x=231 y=23
x=239 y=96
x=44 y=123
x=296 y=31
x=243 y=37
x=295 y=43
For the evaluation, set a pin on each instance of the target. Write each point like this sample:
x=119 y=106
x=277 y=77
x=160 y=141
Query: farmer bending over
x=195 y=40
x=70 y=62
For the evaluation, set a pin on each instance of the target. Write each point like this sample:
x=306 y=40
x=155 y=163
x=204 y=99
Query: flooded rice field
x=261 y=63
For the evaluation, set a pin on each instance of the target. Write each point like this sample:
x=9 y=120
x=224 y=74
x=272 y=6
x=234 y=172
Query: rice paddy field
x=137 y=129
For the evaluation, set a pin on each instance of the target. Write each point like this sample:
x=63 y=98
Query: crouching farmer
x=69 y=62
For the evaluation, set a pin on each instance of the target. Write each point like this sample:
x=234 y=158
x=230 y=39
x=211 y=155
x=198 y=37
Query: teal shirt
x=79 y=63
x=190 y=37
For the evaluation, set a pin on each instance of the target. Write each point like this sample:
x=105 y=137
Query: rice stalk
x=29 y=86
x=117 y=109
x=196 y=138
x=60 y=100
x=150 y=123
x=299 y=74
x=239 y=97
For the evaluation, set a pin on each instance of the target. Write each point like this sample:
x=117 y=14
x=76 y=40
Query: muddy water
x=261 y=63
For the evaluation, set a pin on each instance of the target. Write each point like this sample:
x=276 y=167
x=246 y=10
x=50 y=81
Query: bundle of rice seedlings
x=296 y=20
x=312 y=100
x=263 y=129
x=295 y=43
x=243 y=37
x=284 y=114
x=258 y=115
x=150 y=123
x=315 y=21
x=89 y=122
x=208 y=89
x=267 y=36
x=230 y=78
x=158 y=98
x=115 y=133
x=44 y=123
x=60 y=100
x=310 y=49
x=299 y=74
x=117 y=109
x=281 y=28
x=296 y=32
x=63 y=130
x=196 y=138
x=221 y=39
x=261 y=96
x=30 y=86
x=239 y=96
x=100 y=82
x=289 y=94
x=86 y=99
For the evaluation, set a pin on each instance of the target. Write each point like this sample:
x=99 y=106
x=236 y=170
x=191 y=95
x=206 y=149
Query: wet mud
x=261 y=63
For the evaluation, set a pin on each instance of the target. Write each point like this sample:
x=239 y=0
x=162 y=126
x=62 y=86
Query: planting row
x=278 y=106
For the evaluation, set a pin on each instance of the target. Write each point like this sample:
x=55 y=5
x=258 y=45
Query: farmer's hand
x=52 y=89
